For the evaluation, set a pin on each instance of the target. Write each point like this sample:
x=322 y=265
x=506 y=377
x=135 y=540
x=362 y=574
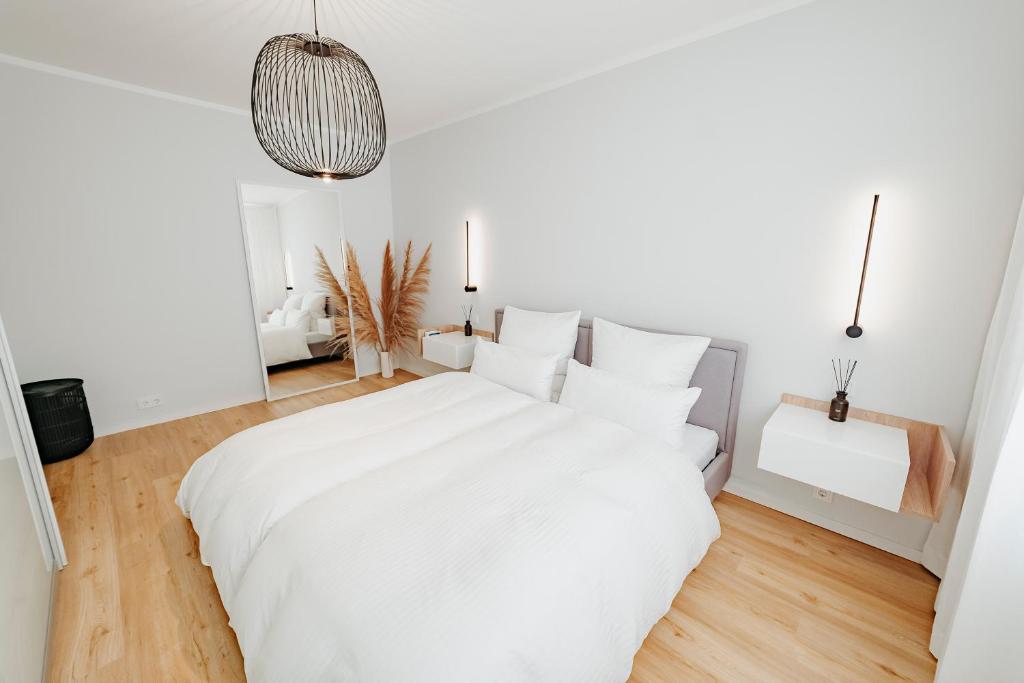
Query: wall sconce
x=855 y=330
x=469 y=287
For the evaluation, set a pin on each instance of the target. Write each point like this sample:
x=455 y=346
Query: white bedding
x=447 y=529
x=314 y=337
x=700 y=445
x=282 y=344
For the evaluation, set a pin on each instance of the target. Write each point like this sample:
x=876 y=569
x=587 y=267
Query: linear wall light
x=469 y=287
x=855 y=330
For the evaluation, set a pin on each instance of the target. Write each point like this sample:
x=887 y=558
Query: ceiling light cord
x=316 y=27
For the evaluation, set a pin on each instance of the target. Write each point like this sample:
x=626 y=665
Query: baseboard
x=213 y=408
x=743 y=489
x=171 y=416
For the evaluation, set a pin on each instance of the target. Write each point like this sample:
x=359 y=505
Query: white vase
x=387 y=369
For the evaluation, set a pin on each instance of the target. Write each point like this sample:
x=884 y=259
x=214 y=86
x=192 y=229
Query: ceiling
x=436 y=61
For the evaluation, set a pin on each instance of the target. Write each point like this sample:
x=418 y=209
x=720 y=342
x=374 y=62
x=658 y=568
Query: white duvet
x=283 y=344
x=449 y=529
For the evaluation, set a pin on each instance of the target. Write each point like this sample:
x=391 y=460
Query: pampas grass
x=400 y=302
x=387 y=303
x=339 y=300
x=366 y=329
x=406 y=298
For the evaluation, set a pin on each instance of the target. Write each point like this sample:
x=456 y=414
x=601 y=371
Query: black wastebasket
x=59 y=416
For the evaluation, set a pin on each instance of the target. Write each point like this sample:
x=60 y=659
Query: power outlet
x=148 y=402
x=824 y=495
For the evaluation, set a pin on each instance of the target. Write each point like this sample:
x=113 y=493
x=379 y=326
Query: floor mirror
x=293 y=246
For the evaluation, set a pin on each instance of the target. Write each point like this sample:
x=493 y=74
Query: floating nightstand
x=892 y=462
x=451 y=348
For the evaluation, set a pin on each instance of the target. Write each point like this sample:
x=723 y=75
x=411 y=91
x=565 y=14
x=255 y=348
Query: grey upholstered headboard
x=719 y=375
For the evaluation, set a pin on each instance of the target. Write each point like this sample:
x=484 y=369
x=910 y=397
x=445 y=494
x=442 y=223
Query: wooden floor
x=776 y=599
x=296 y=378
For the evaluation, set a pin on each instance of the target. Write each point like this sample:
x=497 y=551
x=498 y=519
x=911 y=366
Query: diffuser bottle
x=839 y=408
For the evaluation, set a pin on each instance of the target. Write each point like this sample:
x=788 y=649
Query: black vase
x=839 y=408
x=469 y=329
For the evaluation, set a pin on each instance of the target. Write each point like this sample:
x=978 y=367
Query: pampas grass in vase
x=400 y=303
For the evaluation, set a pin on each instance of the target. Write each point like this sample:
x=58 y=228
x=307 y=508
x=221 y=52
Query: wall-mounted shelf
x=444 y=329
x=931 y=457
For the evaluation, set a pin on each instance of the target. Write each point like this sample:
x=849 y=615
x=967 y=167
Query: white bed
x=300 y=331
x=284 y=344
x=700 y=445
x=447 y=529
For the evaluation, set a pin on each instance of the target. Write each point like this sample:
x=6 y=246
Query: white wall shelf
x=451 y=349
x=892 y=462
x=443 y=352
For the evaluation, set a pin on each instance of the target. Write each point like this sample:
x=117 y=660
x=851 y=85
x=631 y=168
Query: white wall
x=308 y=221
x=122 y=259
x=725 y=188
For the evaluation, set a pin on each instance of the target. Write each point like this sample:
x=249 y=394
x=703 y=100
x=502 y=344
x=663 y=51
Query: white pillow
x=276 y=317
x=646 y=356
x=294 y=318
x=315 y=304
x=518 y=369
x=657 y=410
x=543 y=333
x=292 y=303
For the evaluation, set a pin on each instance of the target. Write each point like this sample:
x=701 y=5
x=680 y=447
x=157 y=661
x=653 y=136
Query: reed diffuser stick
x=843 y=375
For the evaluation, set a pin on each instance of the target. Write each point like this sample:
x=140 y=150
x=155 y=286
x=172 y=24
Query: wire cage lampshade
x=316 y=107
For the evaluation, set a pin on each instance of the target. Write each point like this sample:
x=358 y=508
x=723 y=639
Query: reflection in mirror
x=293 y=241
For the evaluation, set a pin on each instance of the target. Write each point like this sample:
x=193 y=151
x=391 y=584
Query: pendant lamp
x=316 y=107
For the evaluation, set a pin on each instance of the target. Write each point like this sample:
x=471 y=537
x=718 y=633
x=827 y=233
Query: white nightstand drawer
x=452 y=349
x=862 y=460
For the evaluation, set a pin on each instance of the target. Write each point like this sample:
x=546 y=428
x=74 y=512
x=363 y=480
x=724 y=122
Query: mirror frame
x=256 y=315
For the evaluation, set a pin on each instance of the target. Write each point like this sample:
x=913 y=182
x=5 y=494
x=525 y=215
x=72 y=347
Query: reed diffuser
x=467 y=313
x=840 y=406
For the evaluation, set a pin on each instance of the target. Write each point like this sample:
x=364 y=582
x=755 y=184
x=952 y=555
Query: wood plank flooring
x=776 y=599
x=293 y=379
